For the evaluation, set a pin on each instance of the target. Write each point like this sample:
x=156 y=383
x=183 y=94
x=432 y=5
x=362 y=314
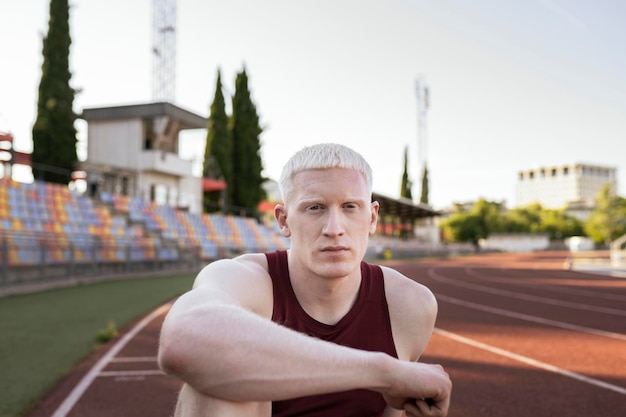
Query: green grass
x=43 y=335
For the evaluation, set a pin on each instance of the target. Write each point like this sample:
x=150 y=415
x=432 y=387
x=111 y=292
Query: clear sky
x=514 y=84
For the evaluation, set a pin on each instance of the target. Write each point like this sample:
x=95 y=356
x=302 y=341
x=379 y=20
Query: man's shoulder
x=244 y=279
x=243 y=267
x=412 y=310
x=399 y=287
x=252 y=260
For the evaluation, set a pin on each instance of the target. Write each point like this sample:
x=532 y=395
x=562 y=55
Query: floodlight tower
x=163 y=50
x=421 y=91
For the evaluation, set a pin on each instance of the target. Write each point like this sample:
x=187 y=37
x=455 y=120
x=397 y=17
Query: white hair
x=323 y=156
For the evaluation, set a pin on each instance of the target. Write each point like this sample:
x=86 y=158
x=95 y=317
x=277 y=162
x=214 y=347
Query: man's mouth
x=334 y=249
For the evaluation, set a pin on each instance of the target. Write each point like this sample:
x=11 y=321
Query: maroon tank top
x=366 y=326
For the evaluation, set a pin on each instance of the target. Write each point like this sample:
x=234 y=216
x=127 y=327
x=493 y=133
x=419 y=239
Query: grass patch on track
x=43 y=335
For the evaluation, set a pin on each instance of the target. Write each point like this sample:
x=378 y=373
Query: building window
x=553 y=173
x=124 y=185
x=531 y=174
x=148 y=134
x=158 y=194
x=566 y=171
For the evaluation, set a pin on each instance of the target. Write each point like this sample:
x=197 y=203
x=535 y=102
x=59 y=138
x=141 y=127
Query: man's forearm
x=227 y=352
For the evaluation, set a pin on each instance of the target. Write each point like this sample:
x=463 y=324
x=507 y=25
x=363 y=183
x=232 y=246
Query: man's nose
x=334 y=224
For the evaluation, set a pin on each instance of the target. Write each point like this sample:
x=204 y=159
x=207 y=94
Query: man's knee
x=191 y=403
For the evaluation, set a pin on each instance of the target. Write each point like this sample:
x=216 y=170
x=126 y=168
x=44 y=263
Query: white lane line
x=131 y=373
x=513 y=277
x=527 y=317
x=526 y=297
x=531 y=362
x=71 y=400
x=130 y=359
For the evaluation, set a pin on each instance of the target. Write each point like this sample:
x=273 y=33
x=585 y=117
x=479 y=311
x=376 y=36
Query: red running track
x=519 y=335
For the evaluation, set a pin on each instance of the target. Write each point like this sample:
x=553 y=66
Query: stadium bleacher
x=217 y=235
x=47 y=223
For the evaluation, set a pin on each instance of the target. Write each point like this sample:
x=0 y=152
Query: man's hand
x=420 y=390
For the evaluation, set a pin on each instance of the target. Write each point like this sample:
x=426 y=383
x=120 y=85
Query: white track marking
x=126 y=359
x=527 y=317
x=531 y=362
x=93 y=373
x=131 y=373
x=514 y=278
x=526 y=297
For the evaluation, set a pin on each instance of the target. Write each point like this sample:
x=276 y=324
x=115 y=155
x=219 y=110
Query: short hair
x=323 y=156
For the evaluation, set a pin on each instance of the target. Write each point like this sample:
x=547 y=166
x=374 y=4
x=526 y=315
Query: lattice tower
x=163 y=50
x=422 y=93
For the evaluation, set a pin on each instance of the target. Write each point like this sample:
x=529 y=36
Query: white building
x=516 y=242
x=556 y=187
x=133 y=150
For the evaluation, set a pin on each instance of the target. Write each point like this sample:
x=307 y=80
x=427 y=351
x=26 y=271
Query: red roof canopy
x=209 y=184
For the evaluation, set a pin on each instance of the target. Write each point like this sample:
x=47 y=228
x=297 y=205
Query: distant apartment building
x=574 y=186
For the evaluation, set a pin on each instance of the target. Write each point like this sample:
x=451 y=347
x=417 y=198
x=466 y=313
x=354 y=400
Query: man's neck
x=327 y=300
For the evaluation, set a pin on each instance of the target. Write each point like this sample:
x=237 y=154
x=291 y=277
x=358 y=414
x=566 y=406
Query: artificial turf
x=43 y=335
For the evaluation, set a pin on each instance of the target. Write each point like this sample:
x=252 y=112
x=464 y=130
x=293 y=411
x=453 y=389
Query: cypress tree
x=424 y=195
x=218 y=151
x=54 y=135
x=405 y=187
x=246 y=189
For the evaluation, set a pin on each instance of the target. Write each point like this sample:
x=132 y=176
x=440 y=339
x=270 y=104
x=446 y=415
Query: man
x=313 y=331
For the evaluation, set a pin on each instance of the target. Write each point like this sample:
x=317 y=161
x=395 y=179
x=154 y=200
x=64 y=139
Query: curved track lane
x=519 y=335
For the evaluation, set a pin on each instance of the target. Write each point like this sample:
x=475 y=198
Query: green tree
x=425 y=190
x=218 y=161
x=559 y=225
x=54 y=135
x=536 y=219
x=463 y=227
x=246 y=188
x=608 y=220
x=487 y=217
x=484 y=218
x=491 y=217
x=524 y=219
x=405 y=187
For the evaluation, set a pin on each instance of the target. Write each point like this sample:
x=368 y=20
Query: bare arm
x=413 y=311
x=218 y=338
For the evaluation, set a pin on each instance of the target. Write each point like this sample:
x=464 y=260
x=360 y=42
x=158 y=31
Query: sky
x=514 y=85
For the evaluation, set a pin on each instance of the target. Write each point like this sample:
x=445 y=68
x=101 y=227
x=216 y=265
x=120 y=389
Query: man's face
x=329 y=216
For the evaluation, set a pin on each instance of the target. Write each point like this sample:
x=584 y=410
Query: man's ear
x=280 y=212
x=374 y=219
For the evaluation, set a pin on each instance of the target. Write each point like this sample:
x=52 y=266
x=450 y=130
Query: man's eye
x=313 y=208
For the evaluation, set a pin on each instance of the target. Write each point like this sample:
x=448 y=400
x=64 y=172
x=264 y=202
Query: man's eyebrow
x=310 y=200
x=354 y=198
x=316 y=199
